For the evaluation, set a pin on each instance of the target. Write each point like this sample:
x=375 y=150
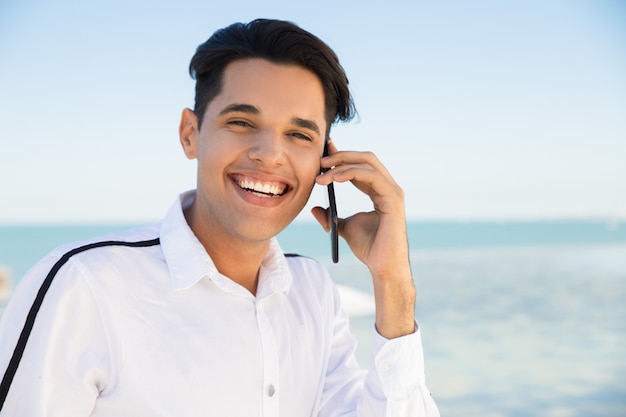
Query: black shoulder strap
x=32 y=314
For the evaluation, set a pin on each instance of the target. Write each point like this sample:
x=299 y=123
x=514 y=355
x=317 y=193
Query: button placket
x=270 y=362
x=383 y=367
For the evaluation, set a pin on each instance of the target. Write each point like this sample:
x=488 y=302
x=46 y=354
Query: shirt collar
x=188 y=261
x=274 y=275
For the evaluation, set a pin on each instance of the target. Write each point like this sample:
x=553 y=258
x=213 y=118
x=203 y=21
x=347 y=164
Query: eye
x=240 y=123
x=299 y=135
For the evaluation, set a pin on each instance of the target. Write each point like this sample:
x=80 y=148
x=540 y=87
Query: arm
x=395 y=383
x=393 y=386
x=65 y=359
x=377 y=238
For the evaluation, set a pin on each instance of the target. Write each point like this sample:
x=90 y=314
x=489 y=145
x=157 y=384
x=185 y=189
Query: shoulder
x=136 y=237
x=311 y=278
x=142 y=237
x=70 y=270
x=71 y=259
x=305 y=266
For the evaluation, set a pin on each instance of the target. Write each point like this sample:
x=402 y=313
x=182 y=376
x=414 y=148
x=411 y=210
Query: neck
x=237 y=258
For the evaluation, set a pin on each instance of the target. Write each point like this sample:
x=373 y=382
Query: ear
x=188 y=133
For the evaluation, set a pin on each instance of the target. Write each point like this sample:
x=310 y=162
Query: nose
x=268 y=148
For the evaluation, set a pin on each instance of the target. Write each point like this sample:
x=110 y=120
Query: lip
x=264 y=183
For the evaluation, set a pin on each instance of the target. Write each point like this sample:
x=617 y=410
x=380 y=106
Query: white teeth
x=260 y=187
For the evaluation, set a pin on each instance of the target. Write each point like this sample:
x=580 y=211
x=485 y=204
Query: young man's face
x=258 y=149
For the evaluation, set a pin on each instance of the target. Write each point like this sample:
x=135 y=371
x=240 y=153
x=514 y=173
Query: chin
x=257 y=232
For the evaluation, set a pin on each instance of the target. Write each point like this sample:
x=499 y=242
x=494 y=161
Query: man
x=203 y=314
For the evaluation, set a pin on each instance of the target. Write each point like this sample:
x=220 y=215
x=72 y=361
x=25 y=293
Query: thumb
x=321 y=215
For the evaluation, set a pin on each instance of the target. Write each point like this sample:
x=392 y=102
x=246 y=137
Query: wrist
x=395 y=306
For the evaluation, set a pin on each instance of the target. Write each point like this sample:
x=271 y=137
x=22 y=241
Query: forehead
x=273 y=88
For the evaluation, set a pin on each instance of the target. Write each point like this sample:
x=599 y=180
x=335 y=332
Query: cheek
x=308 y=167
x=213 y=154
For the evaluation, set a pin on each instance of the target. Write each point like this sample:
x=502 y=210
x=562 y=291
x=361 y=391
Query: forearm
x=395 y=303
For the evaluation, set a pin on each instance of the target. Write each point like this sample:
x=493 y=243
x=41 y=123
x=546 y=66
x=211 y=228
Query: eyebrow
x=240 y=108
x=306 y=124
x=250 y=109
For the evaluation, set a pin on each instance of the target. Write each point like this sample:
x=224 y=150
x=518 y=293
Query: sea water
x=517 y=319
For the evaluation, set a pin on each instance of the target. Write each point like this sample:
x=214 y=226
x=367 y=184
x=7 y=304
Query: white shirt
x=156 y=330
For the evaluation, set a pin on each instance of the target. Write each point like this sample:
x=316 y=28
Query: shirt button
x=271 y=391
x=384 y=367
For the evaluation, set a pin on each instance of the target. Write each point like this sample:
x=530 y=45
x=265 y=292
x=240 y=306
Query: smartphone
x=334 y=222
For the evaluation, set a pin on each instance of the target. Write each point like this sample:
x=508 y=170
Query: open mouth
x=262 y=188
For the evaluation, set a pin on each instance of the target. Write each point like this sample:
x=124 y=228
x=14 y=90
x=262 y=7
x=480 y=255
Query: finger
x=339 y=158
x=336 y=173
x=331 y=147
x=321 y=215
x=362 y=176
x=387 y=196
x=368 y=180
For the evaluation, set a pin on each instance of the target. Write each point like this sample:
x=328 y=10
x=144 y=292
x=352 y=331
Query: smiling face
x=258 y=150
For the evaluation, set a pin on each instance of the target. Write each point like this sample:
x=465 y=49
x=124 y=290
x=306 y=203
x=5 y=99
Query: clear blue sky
x=481 y=109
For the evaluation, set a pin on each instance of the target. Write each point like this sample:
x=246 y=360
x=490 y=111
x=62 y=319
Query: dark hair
x=277 y=41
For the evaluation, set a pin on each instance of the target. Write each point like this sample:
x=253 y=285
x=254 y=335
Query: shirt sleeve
x=396 y=378
x=393 y=386
x=65 y=362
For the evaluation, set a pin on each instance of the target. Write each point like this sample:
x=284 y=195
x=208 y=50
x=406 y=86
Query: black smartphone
x=334 y=222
